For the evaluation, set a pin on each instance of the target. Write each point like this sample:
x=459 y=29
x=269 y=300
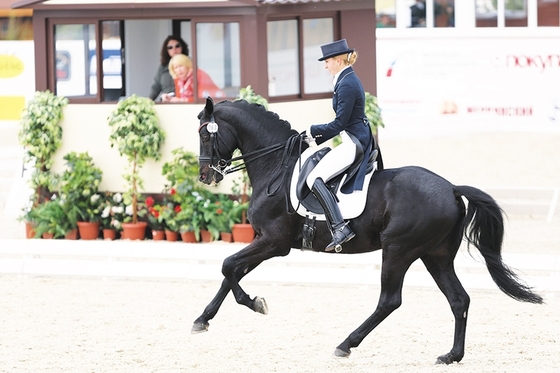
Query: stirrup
x=347 y=235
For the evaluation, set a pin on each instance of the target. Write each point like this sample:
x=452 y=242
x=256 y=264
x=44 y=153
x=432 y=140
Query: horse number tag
x=212 y=127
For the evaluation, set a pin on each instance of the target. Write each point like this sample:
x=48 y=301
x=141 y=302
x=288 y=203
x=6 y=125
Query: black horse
x=411 y=213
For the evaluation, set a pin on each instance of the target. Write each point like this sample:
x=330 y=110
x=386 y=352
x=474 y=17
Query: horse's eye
x=204 y=138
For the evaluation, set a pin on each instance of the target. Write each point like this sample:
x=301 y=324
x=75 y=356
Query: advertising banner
x=493 y=80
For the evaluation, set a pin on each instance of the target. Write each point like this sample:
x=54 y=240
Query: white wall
x=85 y=128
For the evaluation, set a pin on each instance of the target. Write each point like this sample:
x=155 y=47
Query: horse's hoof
x=445 y=359
x=260 y=305
x=341 y=353
x=199 y=328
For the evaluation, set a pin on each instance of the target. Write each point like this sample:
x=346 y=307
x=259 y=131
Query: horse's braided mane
x=270 y=118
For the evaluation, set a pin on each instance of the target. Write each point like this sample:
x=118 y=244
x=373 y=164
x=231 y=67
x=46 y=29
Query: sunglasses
x=169 y=47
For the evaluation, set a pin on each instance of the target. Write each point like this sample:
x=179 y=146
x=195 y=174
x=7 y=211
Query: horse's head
x=216 y=146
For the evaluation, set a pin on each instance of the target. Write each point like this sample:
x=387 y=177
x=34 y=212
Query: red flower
x=177 y=208
x=149 y=201
x=219 y=211
x=155 y=213
x=172 y=191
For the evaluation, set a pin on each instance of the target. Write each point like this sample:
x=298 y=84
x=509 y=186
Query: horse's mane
x=269 y=119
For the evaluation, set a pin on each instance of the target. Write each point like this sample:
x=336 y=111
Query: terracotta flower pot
x=158 y=235
x=226 y=236
x=88 y=230
x=188 y=237
x=243 y=233
x=48 y=236
x=205 y=236
x=29 y=231
x=72 y=235
x=171 y=236
x=109 y=234
x=133 y=231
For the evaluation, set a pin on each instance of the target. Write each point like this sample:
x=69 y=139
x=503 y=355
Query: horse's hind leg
x=390 y=298
x=442 y=270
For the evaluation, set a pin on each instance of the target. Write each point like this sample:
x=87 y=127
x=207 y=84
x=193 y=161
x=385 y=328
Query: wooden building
x=272 y=45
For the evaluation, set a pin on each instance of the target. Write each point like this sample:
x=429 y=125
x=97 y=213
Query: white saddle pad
x=351 y=205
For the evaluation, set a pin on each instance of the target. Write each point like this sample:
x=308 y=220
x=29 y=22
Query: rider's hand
x=307 y=137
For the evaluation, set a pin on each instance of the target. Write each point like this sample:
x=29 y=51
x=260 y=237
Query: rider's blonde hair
x=348 y=58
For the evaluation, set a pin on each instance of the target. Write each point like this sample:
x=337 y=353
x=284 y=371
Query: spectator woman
x=163 y=82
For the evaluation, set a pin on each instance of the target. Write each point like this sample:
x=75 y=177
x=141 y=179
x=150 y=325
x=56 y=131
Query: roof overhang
x=96 y=4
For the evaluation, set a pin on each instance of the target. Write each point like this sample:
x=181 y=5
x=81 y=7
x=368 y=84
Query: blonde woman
x=182 y=72
x=352 y=124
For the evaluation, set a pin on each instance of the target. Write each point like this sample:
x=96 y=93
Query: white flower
x=94 y=198
x=106 y=212
x=117 y=197
x=117 y=209
x=129 y=210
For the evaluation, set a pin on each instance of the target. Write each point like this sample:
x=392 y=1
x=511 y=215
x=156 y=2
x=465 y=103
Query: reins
x=224 y=166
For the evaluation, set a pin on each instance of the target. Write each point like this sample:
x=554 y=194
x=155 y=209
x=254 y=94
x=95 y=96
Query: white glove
x=308 y=138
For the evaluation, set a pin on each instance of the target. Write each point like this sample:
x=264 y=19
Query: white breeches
x=336 y=161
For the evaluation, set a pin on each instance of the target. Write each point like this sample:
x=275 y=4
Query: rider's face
x=334 y=65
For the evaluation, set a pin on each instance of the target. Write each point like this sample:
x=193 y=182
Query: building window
x=514 y=13
x=76 y=64
x=442 y=13
x=287 y=59
x=316 y=32
x=283 y=64
x=218 y=59
x=74 y=49
x=548 y=13
x=385 y=13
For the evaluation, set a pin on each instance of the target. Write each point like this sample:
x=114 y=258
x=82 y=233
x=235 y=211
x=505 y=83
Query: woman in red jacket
x=181 y=69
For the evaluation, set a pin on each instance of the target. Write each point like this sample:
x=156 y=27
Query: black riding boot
x=340 y=230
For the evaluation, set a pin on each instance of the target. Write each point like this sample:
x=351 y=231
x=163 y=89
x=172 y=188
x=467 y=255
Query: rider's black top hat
x=334 y=49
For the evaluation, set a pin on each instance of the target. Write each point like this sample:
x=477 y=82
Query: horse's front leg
x=241 y=263
x=201 y=324
x=234 y=269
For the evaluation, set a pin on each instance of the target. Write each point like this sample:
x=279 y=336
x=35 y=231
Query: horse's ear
x=209 y=108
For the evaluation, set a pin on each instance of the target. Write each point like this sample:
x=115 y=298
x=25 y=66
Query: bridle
x=224 y=166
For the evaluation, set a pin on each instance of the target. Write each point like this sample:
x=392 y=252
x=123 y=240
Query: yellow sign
x=10 y=66
x=11 y=107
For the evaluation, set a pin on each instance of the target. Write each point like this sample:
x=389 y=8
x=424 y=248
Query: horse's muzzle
x=210 y=177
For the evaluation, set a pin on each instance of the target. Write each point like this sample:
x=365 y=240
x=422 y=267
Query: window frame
x=334 y=15
x=51 y=57
x=99 y=98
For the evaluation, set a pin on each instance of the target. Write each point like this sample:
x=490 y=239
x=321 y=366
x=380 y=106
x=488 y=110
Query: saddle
x=302 y=191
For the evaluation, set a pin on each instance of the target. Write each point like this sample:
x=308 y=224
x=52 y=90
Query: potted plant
x=249 y=95
x=41 y=136
x=373 y=113
x=112 y=215
x=79 y=186
x=210 y=230
x=136 y=133
x=242 y=231
x=224 y=215
x=155 y=218
x=182 y=175
x=191 y=218
x=171 y=223
x=52 y=220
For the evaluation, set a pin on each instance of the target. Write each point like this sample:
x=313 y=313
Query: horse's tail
x=484 y=228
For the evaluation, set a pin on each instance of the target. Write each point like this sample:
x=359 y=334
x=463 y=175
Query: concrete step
x=203 y=261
